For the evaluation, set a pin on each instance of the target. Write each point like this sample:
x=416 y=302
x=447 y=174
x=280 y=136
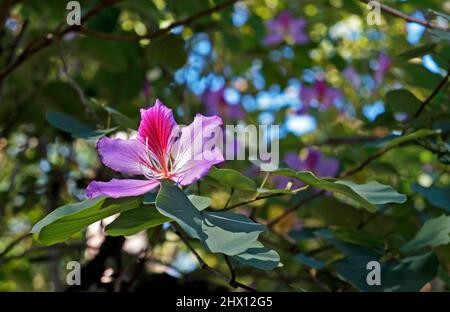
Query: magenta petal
x=192 y=158
x=157 y=129
x=126 y=156
x=272 y=39
x=120 y=188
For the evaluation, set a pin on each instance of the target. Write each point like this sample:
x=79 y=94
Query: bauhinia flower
x=319 y=93
x=314 y=161
x=287 y=28
x=161 y=151
x=216 y=104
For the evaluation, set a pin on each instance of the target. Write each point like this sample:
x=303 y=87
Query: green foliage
x=367 y=195
x=75 y=127
x=70 y=219
x=128 y=53
x=433 y=233
x=136 y=220
x=219 y=232
x=437 y=196
x=408 y=274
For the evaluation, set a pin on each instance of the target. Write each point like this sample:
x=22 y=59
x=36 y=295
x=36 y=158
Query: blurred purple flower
x=216 y=104
x=321 y=92
x=383 y=64
x=352 y=76
x=314 y=162
x=287 y=28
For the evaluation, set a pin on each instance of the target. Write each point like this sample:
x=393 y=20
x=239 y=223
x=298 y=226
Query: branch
x=410 y=19
x=294 y=208
x=13 y=244
x=47 y=40
x=158 y=33
x=205 y=266
x=432 y=95
x=42 y=42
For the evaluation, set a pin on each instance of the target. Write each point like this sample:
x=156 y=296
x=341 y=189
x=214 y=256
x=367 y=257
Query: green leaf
x=439 y=197
x=374 y=192
x=308 y=261
x=150 y=198
x=433 y=233
x=220 y=232
x=173 y=203
x=243 y=187
x=67 y=123
x=200 y=202
x=67 y=220
x=367 y=195
x=259 y=257
x=230 y=233
x=402 y=100
x=408 y=274
x=232 y=179
x=75 y=127
x=136 y=220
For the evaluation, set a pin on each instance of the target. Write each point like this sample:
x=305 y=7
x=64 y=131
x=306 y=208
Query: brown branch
x=43 y=42
x=158 y=33
x=13 y=244
x=433 y=94
x=410 y=19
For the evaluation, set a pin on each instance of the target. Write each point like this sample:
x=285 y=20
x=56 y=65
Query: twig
x=367 y=161
x=13 y=244
x=410 y=19
x=182 y=22
x=73 y=83
x=255 y=199
x=433 y=94
x=43 y=42
x=229 y=199
x=294 y=208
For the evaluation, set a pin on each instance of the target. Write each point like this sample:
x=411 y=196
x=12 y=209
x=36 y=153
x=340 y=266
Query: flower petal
x=126 y=156
x=156 y=130
x=192 y=156
x=120 y=188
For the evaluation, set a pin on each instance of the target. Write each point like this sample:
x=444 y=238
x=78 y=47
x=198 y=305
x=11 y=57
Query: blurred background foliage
x=217 y=62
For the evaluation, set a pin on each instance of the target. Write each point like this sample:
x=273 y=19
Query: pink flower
x=314 y=162
x=216 y=104
x=383 y=65
x=161 y=151
x=321 y=92
x=286 y=28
